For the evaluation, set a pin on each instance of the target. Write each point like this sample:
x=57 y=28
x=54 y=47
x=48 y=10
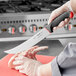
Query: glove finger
x=21 y=71
x=39 y=49
x=29 y=55
x=17 y=62
x=61 y=24
x=35 y=51
x=22 y=58
x=10 y=63
x=67 y=20
x=25 y=70
x=30 y=50
x=25 y=53
x=69 y=26
x=19 y=58
x=19 y=67
x=54 y=28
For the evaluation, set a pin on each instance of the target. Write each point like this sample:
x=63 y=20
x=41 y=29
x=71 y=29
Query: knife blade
x=47 y=30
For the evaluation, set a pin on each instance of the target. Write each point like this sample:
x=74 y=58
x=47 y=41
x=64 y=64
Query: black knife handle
x=58 y=19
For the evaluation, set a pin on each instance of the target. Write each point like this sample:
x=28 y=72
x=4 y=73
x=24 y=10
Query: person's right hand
x=56 y=13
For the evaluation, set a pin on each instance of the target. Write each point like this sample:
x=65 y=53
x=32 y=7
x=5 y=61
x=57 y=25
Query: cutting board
x=5 y=71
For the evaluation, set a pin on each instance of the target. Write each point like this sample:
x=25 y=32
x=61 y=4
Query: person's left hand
x=29 y=54
x=27 y=66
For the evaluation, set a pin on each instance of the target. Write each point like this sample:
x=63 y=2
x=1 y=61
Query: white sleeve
x=65 y=63
x=55 y=68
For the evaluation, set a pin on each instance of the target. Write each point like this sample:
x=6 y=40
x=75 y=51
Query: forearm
x=73 y=5
x=64 y=7
x=58 y=11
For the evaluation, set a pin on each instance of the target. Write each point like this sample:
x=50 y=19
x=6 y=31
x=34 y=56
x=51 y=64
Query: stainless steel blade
x=30 y=42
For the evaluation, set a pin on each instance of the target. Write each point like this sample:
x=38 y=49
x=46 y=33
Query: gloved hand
x=27 y=66
x=29 y=54
x=26 y=62
x=57 y=12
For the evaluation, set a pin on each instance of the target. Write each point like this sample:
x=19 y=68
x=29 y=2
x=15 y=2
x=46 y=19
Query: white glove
x=57 y=12
x=26 y=62
x=29 y=53
x=27 y=66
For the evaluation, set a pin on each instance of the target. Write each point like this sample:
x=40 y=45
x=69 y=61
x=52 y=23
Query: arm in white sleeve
x=65 y=63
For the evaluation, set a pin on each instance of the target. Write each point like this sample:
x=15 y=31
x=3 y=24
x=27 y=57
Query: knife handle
x=58 y=19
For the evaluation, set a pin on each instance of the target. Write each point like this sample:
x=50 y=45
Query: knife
x=47 y=30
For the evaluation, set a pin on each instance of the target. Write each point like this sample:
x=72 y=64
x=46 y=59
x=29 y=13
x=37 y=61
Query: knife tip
x=6 y=52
